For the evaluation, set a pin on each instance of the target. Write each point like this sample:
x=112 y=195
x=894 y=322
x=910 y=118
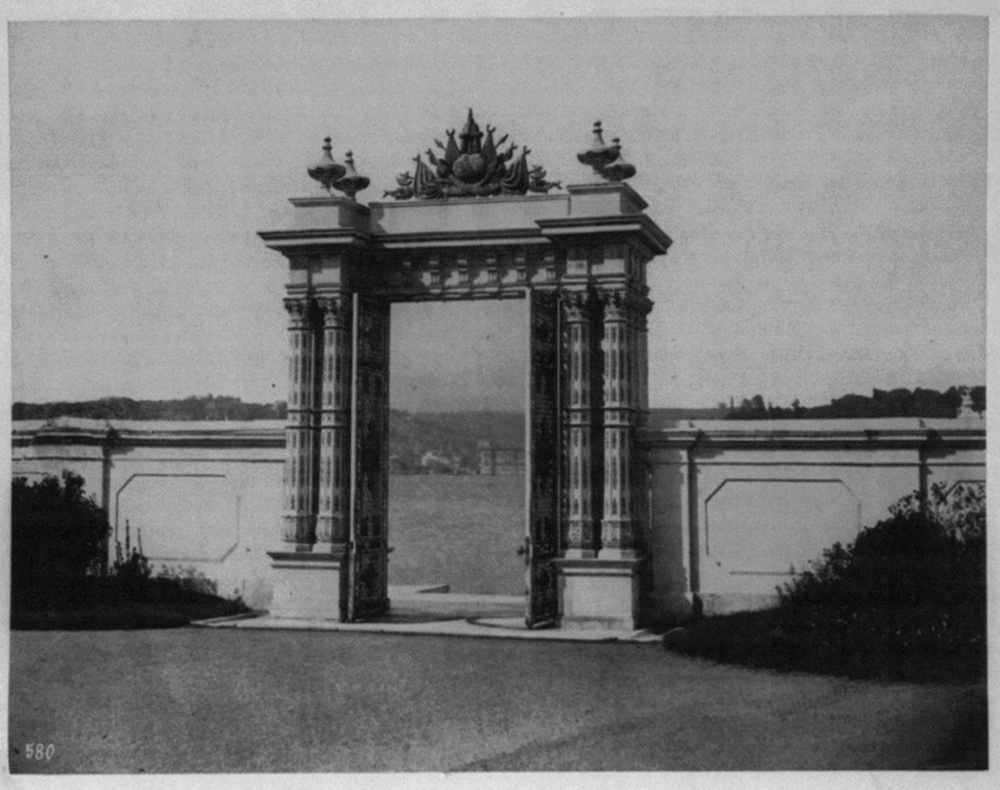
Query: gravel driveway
x=206 y=700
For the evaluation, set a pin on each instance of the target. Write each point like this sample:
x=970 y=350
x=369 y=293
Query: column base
x=580 y=554
x=619 y=554
x=307 y=586
x=599 y=593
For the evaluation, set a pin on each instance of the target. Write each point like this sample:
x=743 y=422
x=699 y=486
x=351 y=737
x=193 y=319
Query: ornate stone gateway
x=480 y=225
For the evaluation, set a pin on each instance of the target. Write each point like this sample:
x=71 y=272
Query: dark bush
x=59 y=573
x=906 y=600
x=919 y=575
x=908 y=590
x=58 y=538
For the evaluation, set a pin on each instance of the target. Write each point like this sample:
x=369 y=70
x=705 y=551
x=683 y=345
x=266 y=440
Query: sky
x=823 y=179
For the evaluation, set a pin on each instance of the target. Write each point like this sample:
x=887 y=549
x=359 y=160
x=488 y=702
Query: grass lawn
x=226 y=700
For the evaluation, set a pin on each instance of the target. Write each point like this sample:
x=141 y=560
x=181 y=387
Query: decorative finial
x=326 y=171
x=597 y=154
x=471 y=136
x=606 y=159
x=351 y=183
x=597 y=143
x=619 y=169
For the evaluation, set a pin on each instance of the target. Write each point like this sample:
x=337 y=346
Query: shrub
x=905 y=601
x=60 y=577
x=914 y=583
x=931 y=550
x=189 y=579
x=131 y=570
x=58 y=538
x=131 y=577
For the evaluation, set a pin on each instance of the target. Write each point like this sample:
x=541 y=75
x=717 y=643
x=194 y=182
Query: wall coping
x=142 y=433
x=957 y=433
x=886 y=432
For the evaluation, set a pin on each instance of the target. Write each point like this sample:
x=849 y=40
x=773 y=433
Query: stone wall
x=732 y=505
x=201 y=495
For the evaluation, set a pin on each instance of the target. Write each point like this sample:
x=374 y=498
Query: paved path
x=498 y=625
x=234 y=700
x=431 y=609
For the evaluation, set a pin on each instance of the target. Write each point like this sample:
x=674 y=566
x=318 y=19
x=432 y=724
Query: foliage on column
x=335 y=413
x=299 y=511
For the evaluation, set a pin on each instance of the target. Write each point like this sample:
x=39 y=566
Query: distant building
x=434 y=464
x=500 y=460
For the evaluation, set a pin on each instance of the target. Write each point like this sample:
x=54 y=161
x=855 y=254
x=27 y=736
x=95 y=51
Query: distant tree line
x=206 y=407
x=882 y=403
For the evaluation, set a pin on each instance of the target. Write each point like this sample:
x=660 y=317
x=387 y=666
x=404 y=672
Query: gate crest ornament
x=471 y=168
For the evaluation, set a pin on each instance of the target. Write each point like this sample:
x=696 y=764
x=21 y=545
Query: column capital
x=299 y=311
x=333 y=308
x=577 y=303
x=621 y=301
x=615 y=302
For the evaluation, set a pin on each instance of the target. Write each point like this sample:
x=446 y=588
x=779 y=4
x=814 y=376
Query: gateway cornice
x=589 y=215
x=637 y=228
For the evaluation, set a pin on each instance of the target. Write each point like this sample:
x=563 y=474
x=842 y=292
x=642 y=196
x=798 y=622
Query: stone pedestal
x=307 y=586
x=599 y=593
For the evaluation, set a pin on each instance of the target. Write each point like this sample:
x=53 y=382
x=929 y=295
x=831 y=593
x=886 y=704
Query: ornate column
x=334 y=430
x=583 y=450
x=640 y=308
x=299 y=511
x=642 y=360
x=617 y=523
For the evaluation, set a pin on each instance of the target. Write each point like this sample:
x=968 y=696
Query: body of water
x=459 y=530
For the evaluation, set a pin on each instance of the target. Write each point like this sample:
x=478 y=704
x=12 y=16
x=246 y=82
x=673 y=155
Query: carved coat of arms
x=473 y=167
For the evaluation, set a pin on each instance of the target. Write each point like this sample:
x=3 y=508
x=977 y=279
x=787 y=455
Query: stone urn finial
x=606 y=160
x=597 y=154
x=619 y=169
x=326 y=171
x=351 y=183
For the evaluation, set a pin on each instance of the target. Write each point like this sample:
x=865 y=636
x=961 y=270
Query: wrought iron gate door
x=368 y=573
x=543 y=454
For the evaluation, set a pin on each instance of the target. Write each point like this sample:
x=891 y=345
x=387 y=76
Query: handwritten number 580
x=40 y=751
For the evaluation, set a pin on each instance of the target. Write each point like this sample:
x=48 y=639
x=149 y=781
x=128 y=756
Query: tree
x=58 y=537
